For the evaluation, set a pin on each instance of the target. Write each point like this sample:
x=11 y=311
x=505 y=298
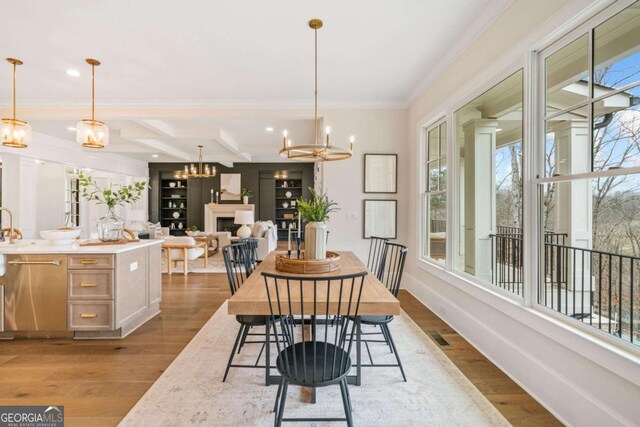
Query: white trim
x=477 y=28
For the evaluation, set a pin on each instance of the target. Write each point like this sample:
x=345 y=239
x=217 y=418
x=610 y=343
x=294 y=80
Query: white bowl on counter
x=60 y=237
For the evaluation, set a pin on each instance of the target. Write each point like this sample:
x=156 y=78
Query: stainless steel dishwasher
x=35 y=293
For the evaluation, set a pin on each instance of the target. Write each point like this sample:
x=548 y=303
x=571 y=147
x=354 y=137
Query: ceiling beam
x=165 y=148
x=227 y=141
x=158 y=126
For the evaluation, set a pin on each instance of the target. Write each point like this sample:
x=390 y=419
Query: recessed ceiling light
x=269 y=129
x=498 y=130
x=155 y=156
x=71 y=129
x=73 y=73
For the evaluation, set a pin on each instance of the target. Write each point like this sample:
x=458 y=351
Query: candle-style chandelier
x=318 y=151
x=197 y=171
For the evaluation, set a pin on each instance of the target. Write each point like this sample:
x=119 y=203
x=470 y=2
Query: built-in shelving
x=173 y=199
x=287 y=205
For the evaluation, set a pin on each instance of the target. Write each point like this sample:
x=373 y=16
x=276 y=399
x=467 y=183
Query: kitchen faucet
x=10 y=224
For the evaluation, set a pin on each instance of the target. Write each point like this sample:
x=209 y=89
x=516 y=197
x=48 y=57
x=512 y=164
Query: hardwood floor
x=99 y=381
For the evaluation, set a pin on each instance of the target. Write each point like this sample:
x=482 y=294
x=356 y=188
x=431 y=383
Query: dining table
x=252 y=299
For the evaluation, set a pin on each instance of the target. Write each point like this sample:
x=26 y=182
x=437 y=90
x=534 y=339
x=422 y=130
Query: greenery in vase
x=193 y=228
x=317 y=208
x=111 y=197
x=245 y=192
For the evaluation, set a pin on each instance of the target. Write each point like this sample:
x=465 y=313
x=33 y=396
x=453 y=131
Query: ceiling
x=193 y=54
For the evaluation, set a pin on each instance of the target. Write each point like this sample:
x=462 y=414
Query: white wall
x=376 y=131
x=50 y=194
x=582 y=379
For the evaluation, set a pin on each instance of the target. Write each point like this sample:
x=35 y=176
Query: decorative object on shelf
x=92 y=133
x=15 y=133
x=217 y=197
x=176 y=215
x=288 y=194
x=110 y=226
x=293 y=203
x=199 y=171
x=172 y=184
x=318 y=151
x=230 y=186
x=180 y=225
x=175 y=196
x=298 y=265
x=288 y=216
x=179 y=184
x=182 y=205
x=380 y=173
x=315 y=212
x=212 y=195
x=285 y=185
x=243 y=218
x=285 y=205
x=380 y=218
x=246 y=195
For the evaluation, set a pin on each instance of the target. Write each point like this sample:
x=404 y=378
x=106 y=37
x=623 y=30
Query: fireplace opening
x=227 y=224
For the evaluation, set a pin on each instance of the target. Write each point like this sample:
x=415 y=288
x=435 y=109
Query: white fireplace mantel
x=213 y=211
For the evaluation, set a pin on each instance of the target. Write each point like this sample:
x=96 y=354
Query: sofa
x=266 y=234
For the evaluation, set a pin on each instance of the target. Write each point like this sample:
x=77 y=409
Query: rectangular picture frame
x=381 y=173
x=380 y=218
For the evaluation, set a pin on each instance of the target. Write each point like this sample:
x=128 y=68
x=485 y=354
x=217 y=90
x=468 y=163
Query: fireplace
x=224 y=223
x=220 y=217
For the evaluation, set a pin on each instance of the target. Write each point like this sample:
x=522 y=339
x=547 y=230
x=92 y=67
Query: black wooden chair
x=377 y=251
x=390 y=274
x=320 y=357
x=240 y=261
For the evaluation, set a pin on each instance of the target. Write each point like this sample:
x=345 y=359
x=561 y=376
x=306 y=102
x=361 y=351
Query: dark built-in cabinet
x=265 y=180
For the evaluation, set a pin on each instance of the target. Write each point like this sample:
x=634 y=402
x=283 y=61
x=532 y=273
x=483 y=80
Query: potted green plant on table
x=246 y=195
x=315 y=211
x=110 y=226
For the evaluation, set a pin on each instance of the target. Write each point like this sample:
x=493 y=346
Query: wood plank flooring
x=98 y=381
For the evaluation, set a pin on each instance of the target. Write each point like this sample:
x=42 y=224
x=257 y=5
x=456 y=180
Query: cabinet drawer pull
x=88 y=261
x=88 y=285
x=88 y=315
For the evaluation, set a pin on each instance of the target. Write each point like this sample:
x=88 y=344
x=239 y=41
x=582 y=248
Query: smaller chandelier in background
x=197 y=171
x=15 y=133
x=92 y=133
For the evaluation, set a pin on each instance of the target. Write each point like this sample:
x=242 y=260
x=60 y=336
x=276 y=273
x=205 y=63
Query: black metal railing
x=598 y=288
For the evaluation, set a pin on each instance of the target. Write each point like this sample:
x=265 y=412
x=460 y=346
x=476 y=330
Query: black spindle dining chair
x=377 y=251
x=390 y=274
x=240 y=262
x=319 y=357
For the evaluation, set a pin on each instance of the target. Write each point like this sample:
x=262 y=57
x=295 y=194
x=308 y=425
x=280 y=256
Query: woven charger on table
x=308 y=266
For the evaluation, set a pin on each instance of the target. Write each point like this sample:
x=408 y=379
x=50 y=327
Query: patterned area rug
x=191 y=391
x=215 y=265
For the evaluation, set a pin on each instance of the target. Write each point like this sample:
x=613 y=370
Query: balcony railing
x=598 y=288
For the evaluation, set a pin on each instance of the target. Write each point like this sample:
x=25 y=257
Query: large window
x=590 y=189
x=490 y=197
x=435 y=196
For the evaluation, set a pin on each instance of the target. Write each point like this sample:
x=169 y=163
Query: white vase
x=245 y=200
x=315 y=240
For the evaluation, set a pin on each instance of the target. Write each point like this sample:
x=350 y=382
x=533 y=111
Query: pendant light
x=15 y=133
x=91 y=133
x=199 y=171
x=318 y=151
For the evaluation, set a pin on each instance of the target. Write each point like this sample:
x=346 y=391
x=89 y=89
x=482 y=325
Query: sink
x=16 y=244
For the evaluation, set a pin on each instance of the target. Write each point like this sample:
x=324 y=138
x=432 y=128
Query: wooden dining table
x=251 y=299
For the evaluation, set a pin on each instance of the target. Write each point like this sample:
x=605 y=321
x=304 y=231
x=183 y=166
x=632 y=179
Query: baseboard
x=494 y=346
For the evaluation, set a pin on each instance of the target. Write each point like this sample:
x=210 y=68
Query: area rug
x=215 y=265
x=191 y=391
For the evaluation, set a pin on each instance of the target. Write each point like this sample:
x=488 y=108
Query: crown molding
x=479 y=26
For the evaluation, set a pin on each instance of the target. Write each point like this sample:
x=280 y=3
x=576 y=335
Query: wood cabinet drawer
x=89 y=262
x=91 y=316
x=91 y=284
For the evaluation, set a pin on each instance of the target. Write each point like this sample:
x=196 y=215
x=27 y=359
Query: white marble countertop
x=33 y=246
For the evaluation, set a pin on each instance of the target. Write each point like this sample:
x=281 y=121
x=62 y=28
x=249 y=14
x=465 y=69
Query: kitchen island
x=77 y=291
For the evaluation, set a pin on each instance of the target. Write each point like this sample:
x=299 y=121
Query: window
x=435 y=196
x=489 y=191
x=590 y=190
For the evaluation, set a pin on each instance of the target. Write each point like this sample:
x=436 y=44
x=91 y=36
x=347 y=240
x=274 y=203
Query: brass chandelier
x=15 y=133
x=199 y=171
x=92 y=133
x=318 y=151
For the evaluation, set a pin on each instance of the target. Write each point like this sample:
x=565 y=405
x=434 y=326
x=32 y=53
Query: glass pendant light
x=15 y=133
x=91 y=133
